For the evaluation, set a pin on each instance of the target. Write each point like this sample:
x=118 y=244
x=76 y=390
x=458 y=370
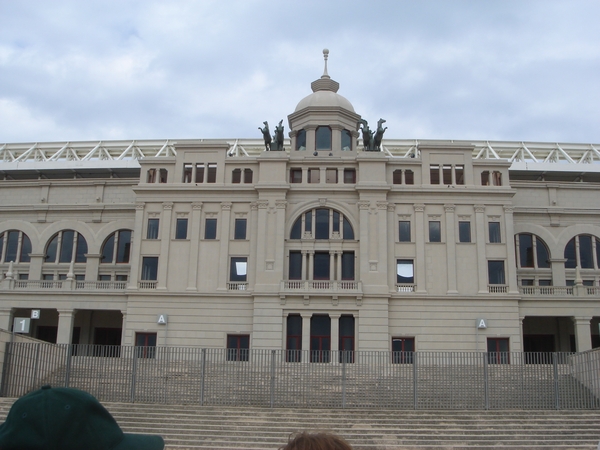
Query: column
x=363 y=207
x=6 y=318
x=165 y=241
x=65 y=326
x=262 y=237
x=92 y=266
x=124 y=330
x=510 y=250
x=481 y=243
x=392 y=230
x=194 y=231
x=311 y=264
x=583 y=333
x=332 y=271
x=253 y=236
x=136 y=256
x=306 y=333
x=279 y=256
x=335 y=333
x=382 y=241
x=420 y=248
x=338 y=265
x=224 y=245
x=451 y=249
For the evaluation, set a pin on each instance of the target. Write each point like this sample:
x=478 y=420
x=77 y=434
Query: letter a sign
x=162 y=319
x=481 y=324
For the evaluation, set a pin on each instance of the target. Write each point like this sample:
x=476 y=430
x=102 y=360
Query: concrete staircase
x=228 y=428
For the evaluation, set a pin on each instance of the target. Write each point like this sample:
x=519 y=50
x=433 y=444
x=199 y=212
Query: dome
x=324 y=99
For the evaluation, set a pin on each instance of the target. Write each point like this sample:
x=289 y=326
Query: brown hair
x=316 y=441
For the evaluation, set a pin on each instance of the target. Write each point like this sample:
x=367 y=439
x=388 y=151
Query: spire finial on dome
x=325 y=56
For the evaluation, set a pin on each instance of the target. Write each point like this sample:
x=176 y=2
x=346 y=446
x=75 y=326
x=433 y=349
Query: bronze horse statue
x=378 y=135
x=266 y=135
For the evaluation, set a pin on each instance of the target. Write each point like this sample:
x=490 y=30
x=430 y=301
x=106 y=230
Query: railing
x=546 y=290
x=237 y=286
x=296 y=378
x=321 y=285
x=70 y=285
x=497 y=288
x=147 y=284
x=400 y=287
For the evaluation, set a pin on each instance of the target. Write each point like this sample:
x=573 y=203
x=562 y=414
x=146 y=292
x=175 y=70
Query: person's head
x=316 y=441
x=67 y=419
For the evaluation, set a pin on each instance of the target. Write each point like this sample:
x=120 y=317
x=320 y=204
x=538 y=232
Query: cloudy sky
x=173 y=69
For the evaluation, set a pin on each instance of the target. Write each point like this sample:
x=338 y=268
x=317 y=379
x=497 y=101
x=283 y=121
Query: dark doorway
x=320 y=338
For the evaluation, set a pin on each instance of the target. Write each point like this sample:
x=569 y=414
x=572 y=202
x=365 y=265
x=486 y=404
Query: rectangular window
x=435 y=231
x=240 y=229
x=485 y=178
x=247 y=176
x=314 y=175
x=346 y=338
x=211 y=175
x=527 y=282
x=349 y=176
x=162 y=175
x=294 y=338
x=210 y=229
x=322 y=224
x=409 y=177
x=238 y=347
x=331 y=176
x=497 y=178
x=405 y=271
x=397 y=176
x=348 y=266
x=447 y=174
x=494 y=231
x=498 y=351
x=152 y=231
x=149 y=268
x=295 y=269
x=320 y=338
x=496 y=272
x=434 y=174
x=238 y=269
x=459 y=172
x=151 y=176
x=321 y=266
x=404 y=231
x=295 y=175
x=403 y=350
x=145 y=344
x=464 y=231
x=187 y=172
x=236 y=176
x=199 y=173
x=181 y=227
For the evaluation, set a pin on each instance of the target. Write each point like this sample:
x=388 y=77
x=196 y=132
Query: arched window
x=328 y=224
x=65 y=247
x=323 y=138
x=531 y=251
x=117 y=247
x=583 y=251
x=15 y=246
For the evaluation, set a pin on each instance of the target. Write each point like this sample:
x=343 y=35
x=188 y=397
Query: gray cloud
x=509 y=70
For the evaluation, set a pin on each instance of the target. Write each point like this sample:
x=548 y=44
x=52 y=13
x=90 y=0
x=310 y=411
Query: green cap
x=67 y=419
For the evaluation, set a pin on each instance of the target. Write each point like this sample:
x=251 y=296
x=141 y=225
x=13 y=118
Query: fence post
x=272 y=378
x=415 y=382
x=343 y=378
x=36 y=365
x=133 y=373
x=556 y=392
x=70 y=349
x=486 y=381
x=202 y=377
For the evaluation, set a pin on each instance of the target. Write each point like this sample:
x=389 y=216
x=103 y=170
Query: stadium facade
x=325 y=244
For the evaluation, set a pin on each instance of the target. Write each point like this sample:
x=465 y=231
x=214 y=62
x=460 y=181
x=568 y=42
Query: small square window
x=402 y=350
x=210 y=229
x=163 y=174
x=434 y=174
x=464 y=231
x=496 y=272
x=199 y=173
x=150 y=268
x=211 y=176
x=236 y=176
x=295 y=175
x=314 y=175
x=404 y=231
x=405 y=271
x=187 y=173
x=181 y=229
x=151 y=176
x=331 y=176
x=435 y=231
x=240 y=229
x=152 y=231
x=349 y=176
x=247 y=176
x=238 y=347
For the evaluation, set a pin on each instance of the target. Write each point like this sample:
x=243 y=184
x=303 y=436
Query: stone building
x=418 y=245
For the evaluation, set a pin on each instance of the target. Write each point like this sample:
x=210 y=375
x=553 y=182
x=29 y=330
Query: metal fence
x=279 y=378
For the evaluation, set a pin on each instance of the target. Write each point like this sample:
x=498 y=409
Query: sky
x=511 y=70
